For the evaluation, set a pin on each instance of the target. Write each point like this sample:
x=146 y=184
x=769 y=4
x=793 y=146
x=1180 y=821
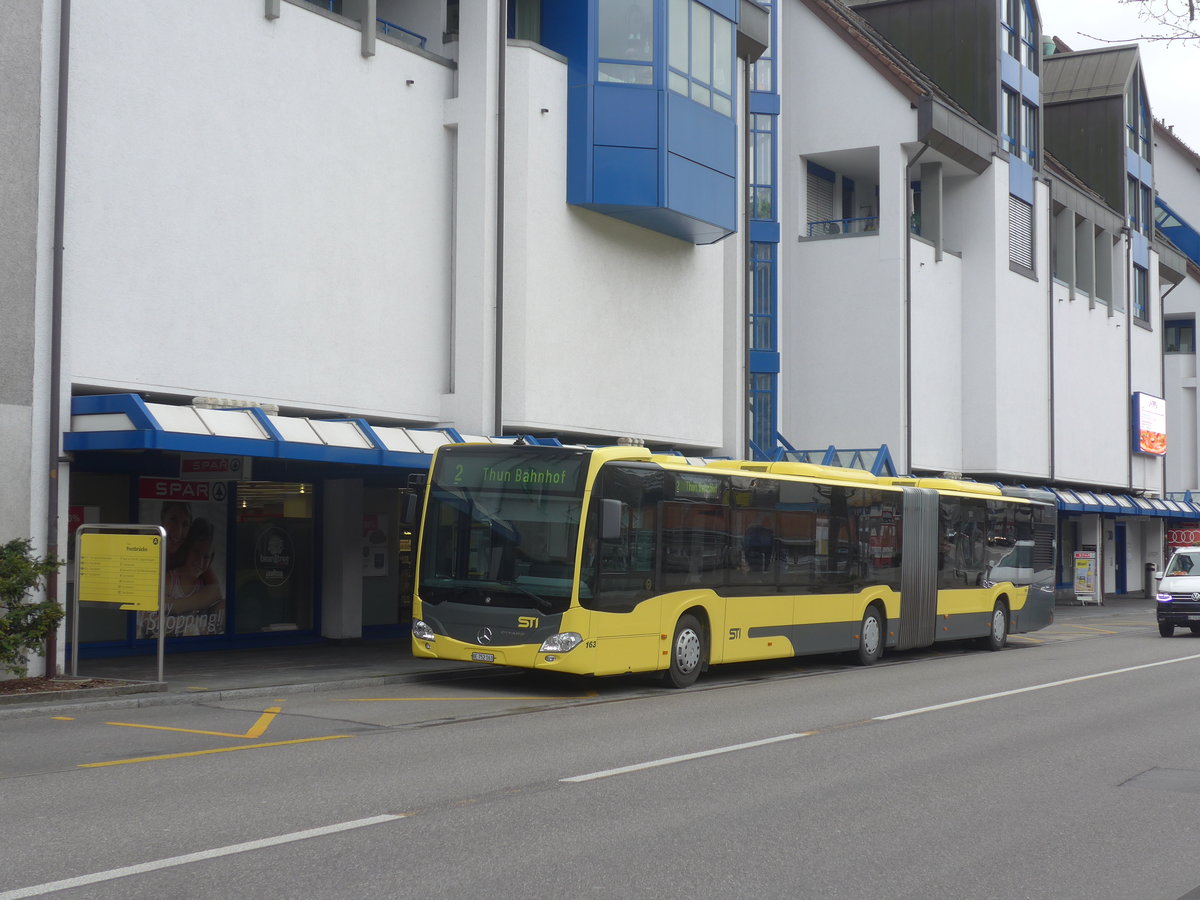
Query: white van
x=1179 y=592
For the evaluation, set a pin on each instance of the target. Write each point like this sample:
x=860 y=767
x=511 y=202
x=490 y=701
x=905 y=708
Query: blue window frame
x=762 y=412
x=1137 y=121
x=1141 y=294
x=625 y=42
x=700 y=55
x=762 y=167
x=762 y=75
x=1020 y=32
x=762 y=310
x=762 y=338
x=1180 y=336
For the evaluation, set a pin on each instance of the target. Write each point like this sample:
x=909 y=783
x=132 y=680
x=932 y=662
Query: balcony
x=832 y=227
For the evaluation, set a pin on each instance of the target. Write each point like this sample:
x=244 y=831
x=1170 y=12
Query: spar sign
x=183 y=490
x=226 y=468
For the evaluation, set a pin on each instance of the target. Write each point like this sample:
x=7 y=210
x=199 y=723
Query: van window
x=1184 y=563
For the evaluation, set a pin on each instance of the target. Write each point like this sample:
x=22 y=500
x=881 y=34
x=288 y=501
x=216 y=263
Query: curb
x=102 y=698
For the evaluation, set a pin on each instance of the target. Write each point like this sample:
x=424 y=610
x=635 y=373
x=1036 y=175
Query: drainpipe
x=748 y=276
x=907 y=226
x=501 y=65
x=1128 y=346
x=56 y=305
x=1052 y=242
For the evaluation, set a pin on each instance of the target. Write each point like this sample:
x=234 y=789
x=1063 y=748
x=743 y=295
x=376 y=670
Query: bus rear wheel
x=870 y=637
x=687 y=653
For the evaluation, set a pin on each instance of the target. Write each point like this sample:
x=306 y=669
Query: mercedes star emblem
x=484 y=636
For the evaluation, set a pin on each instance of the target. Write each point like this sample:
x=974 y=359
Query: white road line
x=112 y=874
x=674 y=759
x=1026 y=690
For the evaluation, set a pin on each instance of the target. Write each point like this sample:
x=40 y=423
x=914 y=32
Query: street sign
x=120 y=568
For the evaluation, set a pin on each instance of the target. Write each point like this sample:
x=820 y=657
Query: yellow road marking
x=63 y=718
x=258 y=729
x=1026 y=639
x=142 y=759
x=587 y=696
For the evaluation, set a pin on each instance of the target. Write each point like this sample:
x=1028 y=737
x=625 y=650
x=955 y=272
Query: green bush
x=24 y=625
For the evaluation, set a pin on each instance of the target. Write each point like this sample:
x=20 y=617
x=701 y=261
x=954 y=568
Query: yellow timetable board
x=121 y=568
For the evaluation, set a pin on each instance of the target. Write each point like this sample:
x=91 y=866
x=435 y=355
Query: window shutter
x=1020 y=232
x=820 y=199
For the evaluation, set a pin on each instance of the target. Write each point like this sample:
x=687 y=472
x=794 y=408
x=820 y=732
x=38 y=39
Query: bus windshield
x=502 y=526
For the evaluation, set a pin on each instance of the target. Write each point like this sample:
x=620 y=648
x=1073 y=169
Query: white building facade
x=262 y=258
x=1177 y=177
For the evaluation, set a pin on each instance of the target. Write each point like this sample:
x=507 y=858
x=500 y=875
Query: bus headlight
x=422 y=632
x=561 y=643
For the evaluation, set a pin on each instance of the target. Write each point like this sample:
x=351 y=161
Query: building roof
x=872 y=46
x=1088 y=74
x=1167 y=133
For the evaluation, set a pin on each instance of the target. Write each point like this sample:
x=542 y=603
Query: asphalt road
x=1065 y=766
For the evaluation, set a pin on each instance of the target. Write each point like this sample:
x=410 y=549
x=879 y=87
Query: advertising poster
x=1085 y=573
x=193 y=513
x=375 y=549
x=1149 y=424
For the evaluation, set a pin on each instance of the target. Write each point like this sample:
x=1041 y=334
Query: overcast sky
x=1171 y=70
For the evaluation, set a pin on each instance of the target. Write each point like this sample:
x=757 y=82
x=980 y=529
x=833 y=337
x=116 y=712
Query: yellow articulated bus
x=614 y=560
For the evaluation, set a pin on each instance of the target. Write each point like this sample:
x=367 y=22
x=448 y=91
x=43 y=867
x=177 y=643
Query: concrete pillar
x=341 y=559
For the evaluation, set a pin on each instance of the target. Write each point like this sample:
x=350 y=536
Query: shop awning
x=126 y=422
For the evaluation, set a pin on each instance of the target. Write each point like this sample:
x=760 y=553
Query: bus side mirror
x=410 y=509
x=610 y=519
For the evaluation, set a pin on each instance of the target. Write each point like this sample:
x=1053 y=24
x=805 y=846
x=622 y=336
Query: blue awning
x=1067 y=501
x=1115 y=504
x=126 y=422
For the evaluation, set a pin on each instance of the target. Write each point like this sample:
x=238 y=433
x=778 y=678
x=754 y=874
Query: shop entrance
x=389 y=550
x=273 y=552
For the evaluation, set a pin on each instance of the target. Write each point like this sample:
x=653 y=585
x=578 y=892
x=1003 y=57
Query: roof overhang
x=1067 y=195
x=954 y=135
x=753 y=30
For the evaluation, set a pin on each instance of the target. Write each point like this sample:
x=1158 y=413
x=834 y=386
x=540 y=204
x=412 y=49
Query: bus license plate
x=483 y=657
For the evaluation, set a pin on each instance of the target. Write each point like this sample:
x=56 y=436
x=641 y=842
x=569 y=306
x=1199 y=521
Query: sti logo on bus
x=527 y=622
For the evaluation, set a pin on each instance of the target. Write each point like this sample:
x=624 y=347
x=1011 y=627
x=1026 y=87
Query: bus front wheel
x=998 y=636
x=870 y=637
x=687 y=653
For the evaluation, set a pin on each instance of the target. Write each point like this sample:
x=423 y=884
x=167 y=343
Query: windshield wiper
x=542 y=603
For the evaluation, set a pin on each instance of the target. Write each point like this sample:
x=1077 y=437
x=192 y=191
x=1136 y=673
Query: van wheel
x=870 y=637
x=1166 y=630
x=687 y=653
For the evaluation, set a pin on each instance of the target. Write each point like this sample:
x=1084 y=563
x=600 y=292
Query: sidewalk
x=195 y=677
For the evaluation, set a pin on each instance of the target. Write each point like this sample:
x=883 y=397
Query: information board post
x=122 y=564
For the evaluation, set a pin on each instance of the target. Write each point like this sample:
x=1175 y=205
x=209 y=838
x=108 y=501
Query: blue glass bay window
x=652 y=138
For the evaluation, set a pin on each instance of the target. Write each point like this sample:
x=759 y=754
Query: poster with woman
x=193 y=514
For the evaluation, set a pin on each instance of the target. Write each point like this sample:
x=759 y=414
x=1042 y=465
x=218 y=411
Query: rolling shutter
x=1020 y=232
x=820 y=197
